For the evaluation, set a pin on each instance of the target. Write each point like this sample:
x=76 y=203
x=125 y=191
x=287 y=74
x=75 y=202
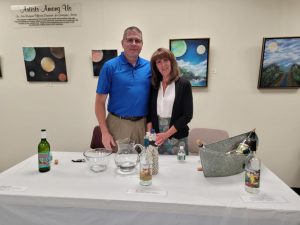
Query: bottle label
x=44 y=160
x=252 y=178
x=145 y=172
x=181 y=156
x=242 y=148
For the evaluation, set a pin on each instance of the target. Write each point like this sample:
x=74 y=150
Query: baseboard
x=296 y=189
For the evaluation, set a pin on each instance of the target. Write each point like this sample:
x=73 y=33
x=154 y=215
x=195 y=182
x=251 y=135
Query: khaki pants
x=120 y=128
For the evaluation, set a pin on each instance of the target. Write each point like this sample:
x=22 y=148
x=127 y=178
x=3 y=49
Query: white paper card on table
x=263 y=198
x=12 y=188
x=149 y=190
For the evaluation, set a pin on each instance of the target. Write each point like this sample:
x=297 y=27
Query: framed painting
x=280 y=63
x=192 y=56
x=45 y=64
x=99 y=57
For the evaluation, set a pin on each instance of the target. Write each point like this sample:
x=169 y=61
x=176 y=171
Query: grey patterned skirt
x=170 y=146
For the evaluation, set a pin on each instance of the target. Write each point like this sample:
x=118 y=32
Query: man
x=126 y=79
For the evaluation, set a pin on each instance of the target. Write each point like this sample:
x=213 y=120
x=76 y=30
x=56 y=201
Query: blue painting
x=280 y=63
x=192 y=57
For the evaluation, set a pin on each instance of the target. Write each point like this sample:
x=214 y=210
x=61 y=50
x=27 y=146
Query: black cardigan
x=182 y=111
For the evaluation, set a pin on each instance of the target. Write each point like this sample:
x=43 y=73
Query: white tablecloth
x=71 y=194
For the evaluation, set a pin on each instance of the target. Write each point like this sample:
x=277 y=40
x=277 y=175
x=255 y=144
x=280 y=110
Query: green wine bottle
x=44 y=156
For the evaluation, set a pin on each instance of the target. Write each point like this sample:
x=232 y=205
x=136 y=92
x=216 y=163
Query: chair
x=96 y=141
x=206 y=136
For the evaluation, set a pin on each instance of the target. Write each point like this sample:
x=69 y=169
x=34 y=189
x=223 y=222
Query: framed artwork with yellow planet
x=280 y=63
x=45 y=64
x=192 y=56
x=99 y=57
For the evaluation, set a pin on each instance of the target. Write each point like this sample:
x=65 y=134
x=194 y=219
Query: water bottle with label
x=181 y=152
x=252 y=170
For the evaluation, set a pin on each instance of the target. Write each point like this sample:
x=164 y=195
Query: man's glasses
x=133 y=40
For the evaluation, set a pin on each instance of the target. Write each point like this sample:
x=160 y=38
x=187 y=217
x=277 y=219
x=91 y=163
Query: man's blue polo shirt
x=128 y=87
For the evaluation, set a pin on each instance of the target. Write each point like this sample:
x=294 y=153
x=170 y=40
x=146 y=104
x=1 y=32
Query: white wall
x=231 y=101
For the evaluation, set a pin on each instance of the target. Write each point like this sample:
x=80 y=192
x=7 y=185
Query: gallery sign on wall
x=46 y=15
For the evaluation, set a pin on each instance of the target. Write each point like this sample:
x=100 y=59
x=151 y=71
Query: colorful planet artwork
x=192 y=56
x=45 y=64
x=99 y=57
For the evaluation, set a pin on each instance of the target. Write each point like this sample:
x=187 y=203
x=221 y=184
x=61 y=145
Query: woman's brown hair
x=163 y=53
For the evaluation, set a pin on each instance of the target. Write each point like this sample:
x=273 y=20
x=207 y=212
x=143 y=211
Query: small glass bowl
x=97 y=159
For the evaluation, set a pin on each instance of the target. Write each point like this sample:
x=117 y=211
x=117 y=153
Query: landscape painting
x=99 y=57
x=45 y=64
x=280 y=63
x=192 y=56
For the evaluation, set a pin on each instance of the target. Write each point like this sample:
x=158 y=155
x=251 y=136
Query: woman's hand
x=161 y=138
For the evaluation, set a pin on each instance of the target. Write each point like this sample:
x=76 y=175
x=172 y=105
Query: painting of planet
x=45 y=64
x=280 y=63
x=192 y=56
x=99 y=57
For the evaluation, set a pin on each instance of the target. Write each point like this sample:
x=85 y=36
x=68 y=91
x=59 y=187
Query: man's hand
x=108 y=141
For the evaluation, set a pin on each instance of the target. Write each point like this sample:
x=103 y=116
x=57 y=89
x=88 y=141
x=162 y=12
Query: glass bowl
x=97 y=159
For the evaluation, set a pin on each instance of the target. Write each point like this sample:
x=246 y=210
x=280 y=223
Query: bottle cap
x=199 y=143
x=146 y=142
x=43 y=134
x=181 y=143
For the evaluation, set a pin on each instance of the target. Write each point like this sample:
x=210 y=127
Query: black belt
x=131 y=118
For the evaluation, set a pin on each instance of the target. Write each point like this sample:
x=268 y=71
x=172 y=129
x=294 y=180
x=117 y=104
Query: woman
x=171 y=103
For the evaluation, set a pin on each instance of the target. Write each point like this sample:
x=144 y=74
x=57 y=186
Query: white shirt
x=165 y=101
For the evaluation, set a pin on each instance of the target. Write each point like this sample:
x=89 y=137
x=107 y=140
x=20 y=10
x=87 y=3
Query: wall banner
x=46 y=15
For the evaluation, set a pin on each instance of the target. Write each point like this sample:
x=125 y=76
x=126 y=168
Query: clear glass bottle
x=181 y=152
x=252 y=170
x=146 y=166
x=44 y=154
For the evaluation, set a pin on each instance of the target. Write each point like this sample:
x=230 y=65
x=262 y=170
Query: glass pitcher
x=127 y=157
